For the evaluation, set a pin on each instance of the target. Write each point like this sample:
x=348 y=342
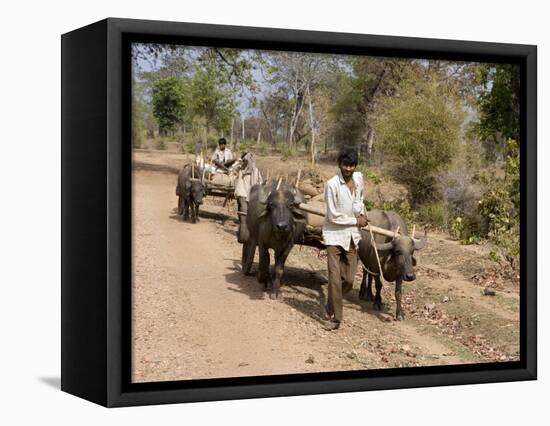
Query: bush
x=368 y=174
x=500 y=216
x=192 y=145
x=499 y=205
x=418 y=132
x=460 y=189
x=403 y=209
x=245 y=145
x=262 y=149
x=436 y=214
x=212 y=142
x=137 y=137
x=286 y=152
x=160 y=143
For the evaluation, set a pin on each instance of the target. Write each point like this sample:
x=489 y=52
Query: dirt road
x=195 y=315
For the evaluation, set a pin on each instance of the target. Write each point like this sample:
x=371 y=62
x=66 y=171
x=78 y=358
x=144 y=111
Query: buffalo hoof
x=185 y=218
x=400 y=317
x=274 y=295
x=378 y=305
x=263 y=280
x=366 y=296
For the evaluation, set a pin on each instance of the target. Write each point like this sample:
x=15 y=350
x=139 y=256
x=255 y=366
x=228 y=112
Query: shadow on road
x=164 y=168
x=306 y=293
x=244 y=284
x=203 y=214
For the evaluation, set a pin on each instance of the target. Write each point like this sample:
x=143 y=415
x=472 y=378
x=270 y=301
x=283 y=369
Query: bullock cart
x=217 y=182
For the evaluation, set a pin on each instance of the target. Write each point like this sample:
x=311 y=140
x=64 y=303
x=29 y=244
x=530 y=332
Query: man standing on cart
x=341 y=231
x=222 y=157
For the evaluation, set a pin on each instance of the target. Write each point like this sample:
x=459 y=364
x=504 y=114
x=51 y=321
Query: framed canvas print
x=254 y=212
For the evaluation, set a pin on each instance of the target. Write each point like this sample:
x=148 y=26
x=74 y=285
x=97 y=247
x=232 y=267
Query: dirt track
x=195 y=315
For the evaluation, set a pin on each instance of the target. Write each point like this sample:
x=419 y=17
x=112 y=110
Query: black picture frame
x=96 y=207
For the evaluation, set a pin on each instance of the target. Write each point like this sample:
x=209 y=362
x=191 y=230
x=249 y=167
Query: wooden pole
x=373 y=242
x=396 y=232
x=377 y=230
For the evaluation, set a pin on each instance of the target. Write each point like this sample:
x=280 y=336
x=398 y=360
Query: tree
x=418 y=131
x=297 y=75
x=374 y=78
x=499 y=107
x=274 y=108
x=138 y=115
x=168 y=103
x=211 y=100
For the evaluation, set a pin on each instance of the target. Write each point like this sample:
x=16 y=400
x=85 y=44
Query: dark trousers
x=342 y=266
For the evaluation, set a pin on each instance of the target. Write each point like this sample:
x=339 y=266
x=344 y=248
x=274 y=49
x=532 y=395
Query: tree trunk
x=259 y=139
x=312 y=125
x=242 y=119
x=370 y=142
x=294 y=119
x=206 y=131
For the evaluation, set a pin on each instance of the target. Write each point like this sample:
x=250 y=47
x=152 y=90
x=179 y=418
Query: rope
x=375 y=249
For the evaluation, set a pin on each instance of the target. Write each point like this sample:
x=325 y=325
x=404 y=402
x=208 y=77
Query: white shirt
x=222 y=156
x=343 y=207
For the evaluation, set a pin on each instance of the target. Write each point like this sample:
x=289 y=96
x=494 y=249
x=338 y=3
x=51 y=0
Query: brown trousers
x=342 y=267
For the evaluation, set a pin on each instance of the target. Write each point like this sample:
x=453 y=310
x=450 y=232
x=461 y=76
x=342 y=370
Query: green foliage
x=457 y=227
x=211 y=100
x=436 y=214
x=368 y=174
x=192 y=144
x=499 y=205
x=169 y=105
x=262 y=149
x=245 y=145
x=369 y=204
x=494 y=255
x=286 y=151
x=138 y=114
x=418 y=131
x=403 y=208
x=160 y=143
x=499 y=101
x=500 y=215
x=512 y=171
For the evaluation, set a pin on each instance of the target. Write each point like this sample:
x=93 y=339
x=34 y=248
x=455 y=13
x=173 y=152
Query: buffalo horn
x=384 y=246
x=419 y=244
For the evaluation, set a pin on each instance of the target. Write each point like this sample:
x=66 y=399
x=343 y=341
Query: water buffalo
x=273 y=221
x=190 y=191
x=396 y=258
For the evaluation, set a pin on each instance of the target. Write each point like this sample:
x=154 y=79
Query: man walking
x=341 y=234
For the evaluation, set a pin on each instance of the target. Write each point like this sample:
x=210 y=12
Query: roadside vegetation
x=445 y=132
